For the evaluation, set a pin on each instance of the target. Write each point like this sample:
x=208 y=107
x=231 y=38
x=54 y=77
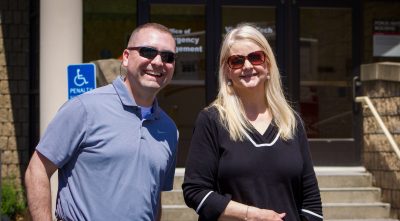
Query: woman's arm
x=311 y=206
x=237 y=212
x=200 y=186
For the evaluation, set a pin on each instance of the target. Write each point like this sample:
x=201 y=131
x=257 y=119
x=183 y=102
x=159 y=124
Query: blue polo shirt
x=112 y=163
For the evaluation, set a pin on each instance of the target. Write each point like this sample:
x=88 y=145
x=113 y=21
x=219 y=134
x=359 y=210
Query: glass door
x=184 y=97
x=326 y=74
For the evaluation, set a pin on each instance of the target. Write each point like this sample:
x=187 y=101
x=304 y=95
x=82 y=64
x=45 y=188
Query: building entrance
x=316 y=53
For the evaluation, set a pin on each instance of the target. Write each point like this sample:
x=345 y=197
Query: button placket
x=141 y=128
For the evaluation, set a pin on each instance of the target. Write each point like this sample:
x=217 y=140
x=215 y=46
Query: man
x=114 y=148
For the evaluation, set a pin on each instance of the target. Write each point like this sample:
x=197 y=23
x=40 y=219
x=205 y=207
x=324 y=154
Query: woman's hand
x=238 y=212
x=256 y=214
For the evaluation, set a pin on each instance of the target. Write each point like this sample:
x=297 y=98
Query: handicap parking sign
x=81 y=78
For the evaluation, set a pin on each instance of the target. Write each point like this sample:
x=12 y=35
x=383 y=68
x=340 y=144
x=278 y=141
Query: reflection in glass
x=326 y=72
x=262 y=17
x=184 y=97
x=107 y=26
x=185 y=22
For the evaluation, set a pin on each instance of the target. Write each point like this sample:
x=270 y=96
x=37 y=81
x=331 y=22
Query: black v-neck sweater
x=262 y=171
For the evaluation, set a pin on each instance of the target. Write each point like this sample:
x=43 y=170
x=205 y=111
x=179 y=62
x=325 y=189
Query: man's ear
x=125 y=56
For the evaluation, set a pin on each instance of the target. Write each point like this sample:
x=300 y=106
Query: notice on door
x=187 y=41
x=386 y=38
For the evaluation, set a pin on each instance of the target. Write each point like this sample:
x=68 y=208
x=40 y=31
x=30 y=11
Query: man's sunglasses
x=151 y=53
x=237 y=61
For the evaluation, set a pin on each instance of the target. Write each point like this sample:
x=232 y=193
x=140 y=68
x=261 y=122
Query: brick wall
x=378 y=156
x=14 y=88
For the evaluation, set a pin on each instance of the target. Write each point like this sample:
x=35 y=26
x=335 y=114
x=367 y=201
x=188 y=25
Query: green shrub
x=12 y=200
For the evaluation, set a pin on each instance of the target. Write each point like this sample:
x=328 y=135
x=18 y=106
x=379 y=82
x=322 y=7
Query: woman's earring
x=229 y=83
x=268 y=77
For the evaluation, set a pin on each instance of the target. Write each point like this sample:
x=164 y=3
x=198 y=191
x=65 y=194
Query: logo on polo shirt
x=161 y=132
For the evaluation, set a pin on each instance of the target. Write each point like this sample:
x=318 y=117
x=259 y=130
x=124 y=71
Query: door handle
x=356 y=86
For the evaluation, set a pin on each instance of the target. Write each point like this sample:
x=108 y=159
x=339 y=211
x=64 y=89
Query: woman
x=249 y=157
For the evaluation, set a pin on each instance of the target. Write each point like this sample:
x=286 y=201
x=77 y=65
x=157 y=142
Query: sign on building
x=81 y=78
x=386 y=40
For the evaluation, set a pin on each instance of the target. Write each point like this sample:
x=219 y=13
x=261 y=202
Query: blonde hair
x=230 y=107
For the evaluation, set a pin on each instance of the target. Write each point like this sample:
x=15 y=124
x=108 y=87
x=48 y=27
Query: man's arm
x=37 y=182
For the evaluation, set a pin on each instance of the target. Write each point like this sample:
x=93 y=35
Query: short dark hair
x=155 y=26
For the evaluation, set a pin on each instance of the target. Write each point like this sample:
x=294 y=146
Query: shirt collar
x=128 y=100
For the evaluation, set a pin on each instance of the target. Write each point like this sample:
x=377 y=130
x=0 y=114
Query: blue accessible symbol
x=81 y=78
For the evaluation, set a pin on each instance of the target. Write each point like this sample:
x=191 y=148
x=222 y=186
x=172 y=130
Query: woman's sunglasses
x=237 y=61
x=151 y=53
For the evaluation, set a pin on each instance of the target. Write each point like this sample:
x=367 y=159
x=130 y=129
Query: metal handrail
x=378 y=118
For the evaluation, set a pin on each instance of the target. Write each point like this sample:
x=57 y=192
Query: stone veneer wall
x=381 y=82
x=14 y=88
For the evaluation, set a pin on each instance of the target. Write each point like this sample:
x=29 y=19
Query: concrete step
x=174 y=197
x=178 y=213
x=328 y=177
x=344 y=180
x=356 y=210
x=332 y=211
x=350 y=195
x=324 y=180
x=178 y=179
x=328 y=195
x=343 y=177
